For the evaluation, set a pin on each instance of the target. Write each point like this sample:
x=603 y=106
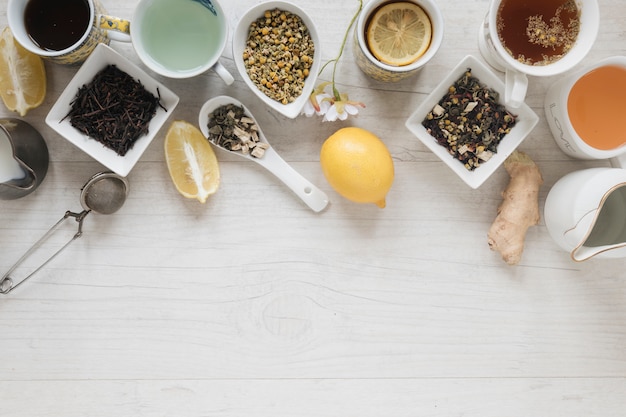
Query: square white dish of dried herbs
x=465 y=123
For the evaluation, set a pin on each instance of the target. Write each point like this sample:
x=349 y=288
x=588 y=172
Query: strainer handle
x=7 y=284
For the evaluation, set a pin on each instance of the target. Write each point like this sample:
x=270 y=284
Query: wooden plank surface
x=254 y=305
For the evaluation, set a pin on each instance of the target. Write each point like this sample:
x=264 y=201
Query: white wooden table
x=253 y=305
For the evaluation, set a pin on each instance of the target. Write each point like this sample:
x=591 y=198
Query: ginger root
x=519 y=209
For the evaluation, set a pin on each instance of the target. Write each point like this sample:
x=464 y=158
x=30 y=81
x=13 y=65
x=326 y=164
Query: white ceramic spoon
x=312 y=196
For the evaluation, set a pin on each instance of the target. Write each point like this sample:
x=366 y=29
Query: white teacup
x=516 y=72
x=580 y=127
x=174 y=38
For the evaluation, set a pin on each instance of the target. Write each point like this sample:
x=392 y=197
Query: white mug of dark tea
x=537 y=38
x=177 y=38
x=62 y=31
x=585 y=111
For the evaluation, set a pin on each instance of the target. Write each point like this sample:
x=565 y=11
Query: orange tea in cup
x=596 y=106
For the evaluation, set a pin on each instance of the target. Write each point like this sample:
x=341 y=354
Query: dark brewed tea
x=538 y=32
x=55 y=25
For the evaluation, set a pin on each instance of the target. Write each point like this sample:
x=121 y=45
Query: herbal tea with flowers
x=334 y=105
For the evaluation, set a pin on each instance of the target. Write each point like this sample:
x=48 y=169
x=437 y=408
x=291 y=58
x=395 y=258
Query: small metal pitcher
x=29 y=152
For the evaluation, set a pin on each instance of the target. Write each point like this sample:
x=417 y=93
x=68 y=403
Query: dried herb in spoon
x=114 y=109
x=232 y=129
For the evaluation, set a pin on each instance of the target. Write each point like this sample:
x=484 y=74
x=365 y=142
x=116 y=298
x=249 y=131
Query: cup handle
x=117 y=29
x=516 y=85
x=223 y=73
x=618 y=161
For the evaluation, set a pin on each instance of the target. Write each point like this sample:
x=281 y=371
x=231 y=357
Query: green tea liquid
x=181 y=35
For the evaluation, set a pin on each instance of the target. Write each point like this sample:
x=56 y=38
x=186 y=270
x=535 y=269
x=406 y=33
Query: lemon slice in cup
x=399 y=33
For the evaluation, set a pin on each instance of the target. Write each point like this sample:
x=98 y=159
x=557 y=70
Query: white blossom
x=341 y=111
x=323 y=104
x=333 y=106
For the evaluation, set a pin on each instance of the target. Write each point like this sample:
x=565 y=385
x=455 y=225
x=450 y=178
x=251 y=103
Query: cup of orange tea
x=393 y=40
x=585 y=110
x=537 y=38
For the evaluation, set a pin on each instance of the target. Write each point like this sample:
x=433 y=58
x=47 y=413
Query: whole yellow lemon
x=358 y=165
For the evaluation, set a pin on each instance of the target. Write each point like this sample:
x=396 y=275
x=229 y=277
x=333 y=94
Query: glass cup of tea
x=62 y=31
x=585 y=111
x=537 y=38
x=176 y=39
x=384 y=71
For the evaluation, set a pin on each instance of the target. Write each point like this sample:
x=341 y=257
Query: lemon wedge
x=191 y=161
x=22 y=75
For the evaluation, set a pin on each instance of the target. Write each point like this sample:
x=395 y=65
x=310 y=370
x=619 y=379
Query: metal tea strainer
x=104 y=193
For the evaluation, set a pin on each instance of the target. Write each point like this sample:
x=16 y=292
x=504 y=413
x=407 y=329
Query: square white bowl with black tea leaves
x=525 y=121
x=75 y=124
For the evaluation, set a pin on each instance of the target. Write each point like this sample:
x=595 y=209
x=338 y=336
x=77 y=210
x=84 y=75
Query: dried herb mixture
x=232 y=129
x=279 y=54
x=113 y=109
x=469 y=121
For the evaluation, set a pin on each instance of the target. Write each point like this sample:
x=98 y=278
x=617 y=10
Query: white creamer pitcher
x=585 y=213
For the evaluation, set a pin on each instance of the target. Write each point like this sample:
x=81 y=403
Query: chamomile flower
x=335 y=105
x=341 y=109
x=319 y=102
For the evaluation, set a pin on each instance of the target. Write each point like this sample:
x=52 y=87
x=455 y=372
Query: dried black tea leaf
x=114 y=109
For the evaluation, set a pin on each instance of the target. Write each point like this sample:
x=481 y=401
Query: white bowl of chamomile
x=276 y=49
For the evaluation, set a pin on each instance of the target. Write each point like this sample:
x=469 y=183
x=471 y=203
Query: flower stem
x=343 y=45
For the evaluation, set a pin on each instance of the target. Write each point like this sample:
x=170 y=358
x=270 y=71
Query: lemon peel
x=358 y=165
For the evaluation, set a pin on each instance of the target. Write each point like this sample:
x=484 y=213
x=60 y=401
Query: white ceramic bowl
x=525 y=122
x=240 y=36
x=98 y=60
